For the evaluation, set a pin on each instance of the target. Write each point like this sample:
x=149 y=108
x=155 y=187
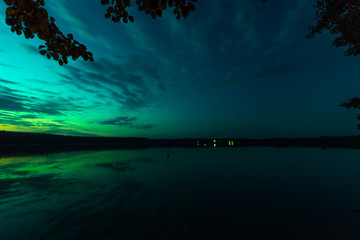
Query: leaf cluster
x=342 y=18
x=117 y=9
x=29 y=17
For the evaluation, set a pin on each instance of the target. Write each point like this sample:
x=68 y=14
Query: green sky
x=231 y=69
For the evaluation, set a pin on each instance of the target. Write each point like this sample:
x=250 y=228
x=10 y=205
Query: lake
x=182 y=193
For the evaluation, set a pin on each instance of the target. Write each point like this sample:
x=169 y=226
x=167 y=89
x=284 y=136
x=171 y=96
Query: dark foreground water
x=243 y=193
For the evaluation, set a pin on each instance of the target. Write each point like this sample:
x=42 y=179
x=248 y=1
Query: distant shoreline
x=32 y=143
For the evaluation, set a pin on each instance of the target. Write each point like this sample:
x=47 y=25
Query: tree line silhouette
x=22 y=138
x=8 y=138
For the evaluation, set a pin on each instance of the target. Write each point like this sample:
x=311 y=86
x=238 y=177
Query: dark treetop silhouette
x=341 y=17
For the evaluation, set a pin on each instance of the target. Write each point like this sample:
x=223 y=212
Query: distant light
x=205 y=145
x=214 y=144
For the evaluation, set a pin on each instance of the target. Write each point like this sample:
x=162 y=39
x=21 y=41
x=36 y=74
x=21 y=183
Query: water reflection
x=249 y=193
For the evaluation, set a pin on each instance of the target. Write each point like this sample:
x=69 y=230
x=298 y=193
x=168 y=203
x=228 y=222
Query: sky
x=233 y=68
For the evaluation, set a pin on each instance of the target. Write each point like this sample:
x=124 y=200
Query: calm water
x=244 y=193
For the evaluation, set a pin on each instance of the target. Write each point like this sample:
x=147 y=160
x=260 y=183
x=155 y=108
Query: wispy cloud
x=31 y=49
x=236 y=77
x=126 y=121
x=9 y=119
x=78 y=23
x=30 y=120
x=16 y=100
x=7 y=81
x=9 y=66
x=291 y=20
x=119 y=121
x=40 y=123
x=276 y=70
x=32 y=116
x=144 y=127
x=127 y=83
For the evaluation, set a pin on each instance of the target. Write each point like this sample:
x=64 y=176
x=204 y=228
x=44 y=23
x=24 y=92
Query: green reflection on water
x=113 y=194
x=76 y=163
x=45 y=192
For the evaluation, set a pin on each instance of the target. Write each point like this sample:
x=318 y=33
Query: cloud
x=119 y=121
x=276 y=70
x=6 y=81
x=291 y=20
x=46 y=92
x=129 y=82
x=29 y=116
x=137 y=33
x=39 y=122
x=49 y=108
x=235 y=77
x=9 y=66
x=8 y=119
x=31 y=49
x=245 y=23
x=79 y=24
x=144 y=127
x=219 y=27
x=21 y=120
x=136 y=63
x=16 y=100
x=11 y=105
x=125 y=89
x=126 y=121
